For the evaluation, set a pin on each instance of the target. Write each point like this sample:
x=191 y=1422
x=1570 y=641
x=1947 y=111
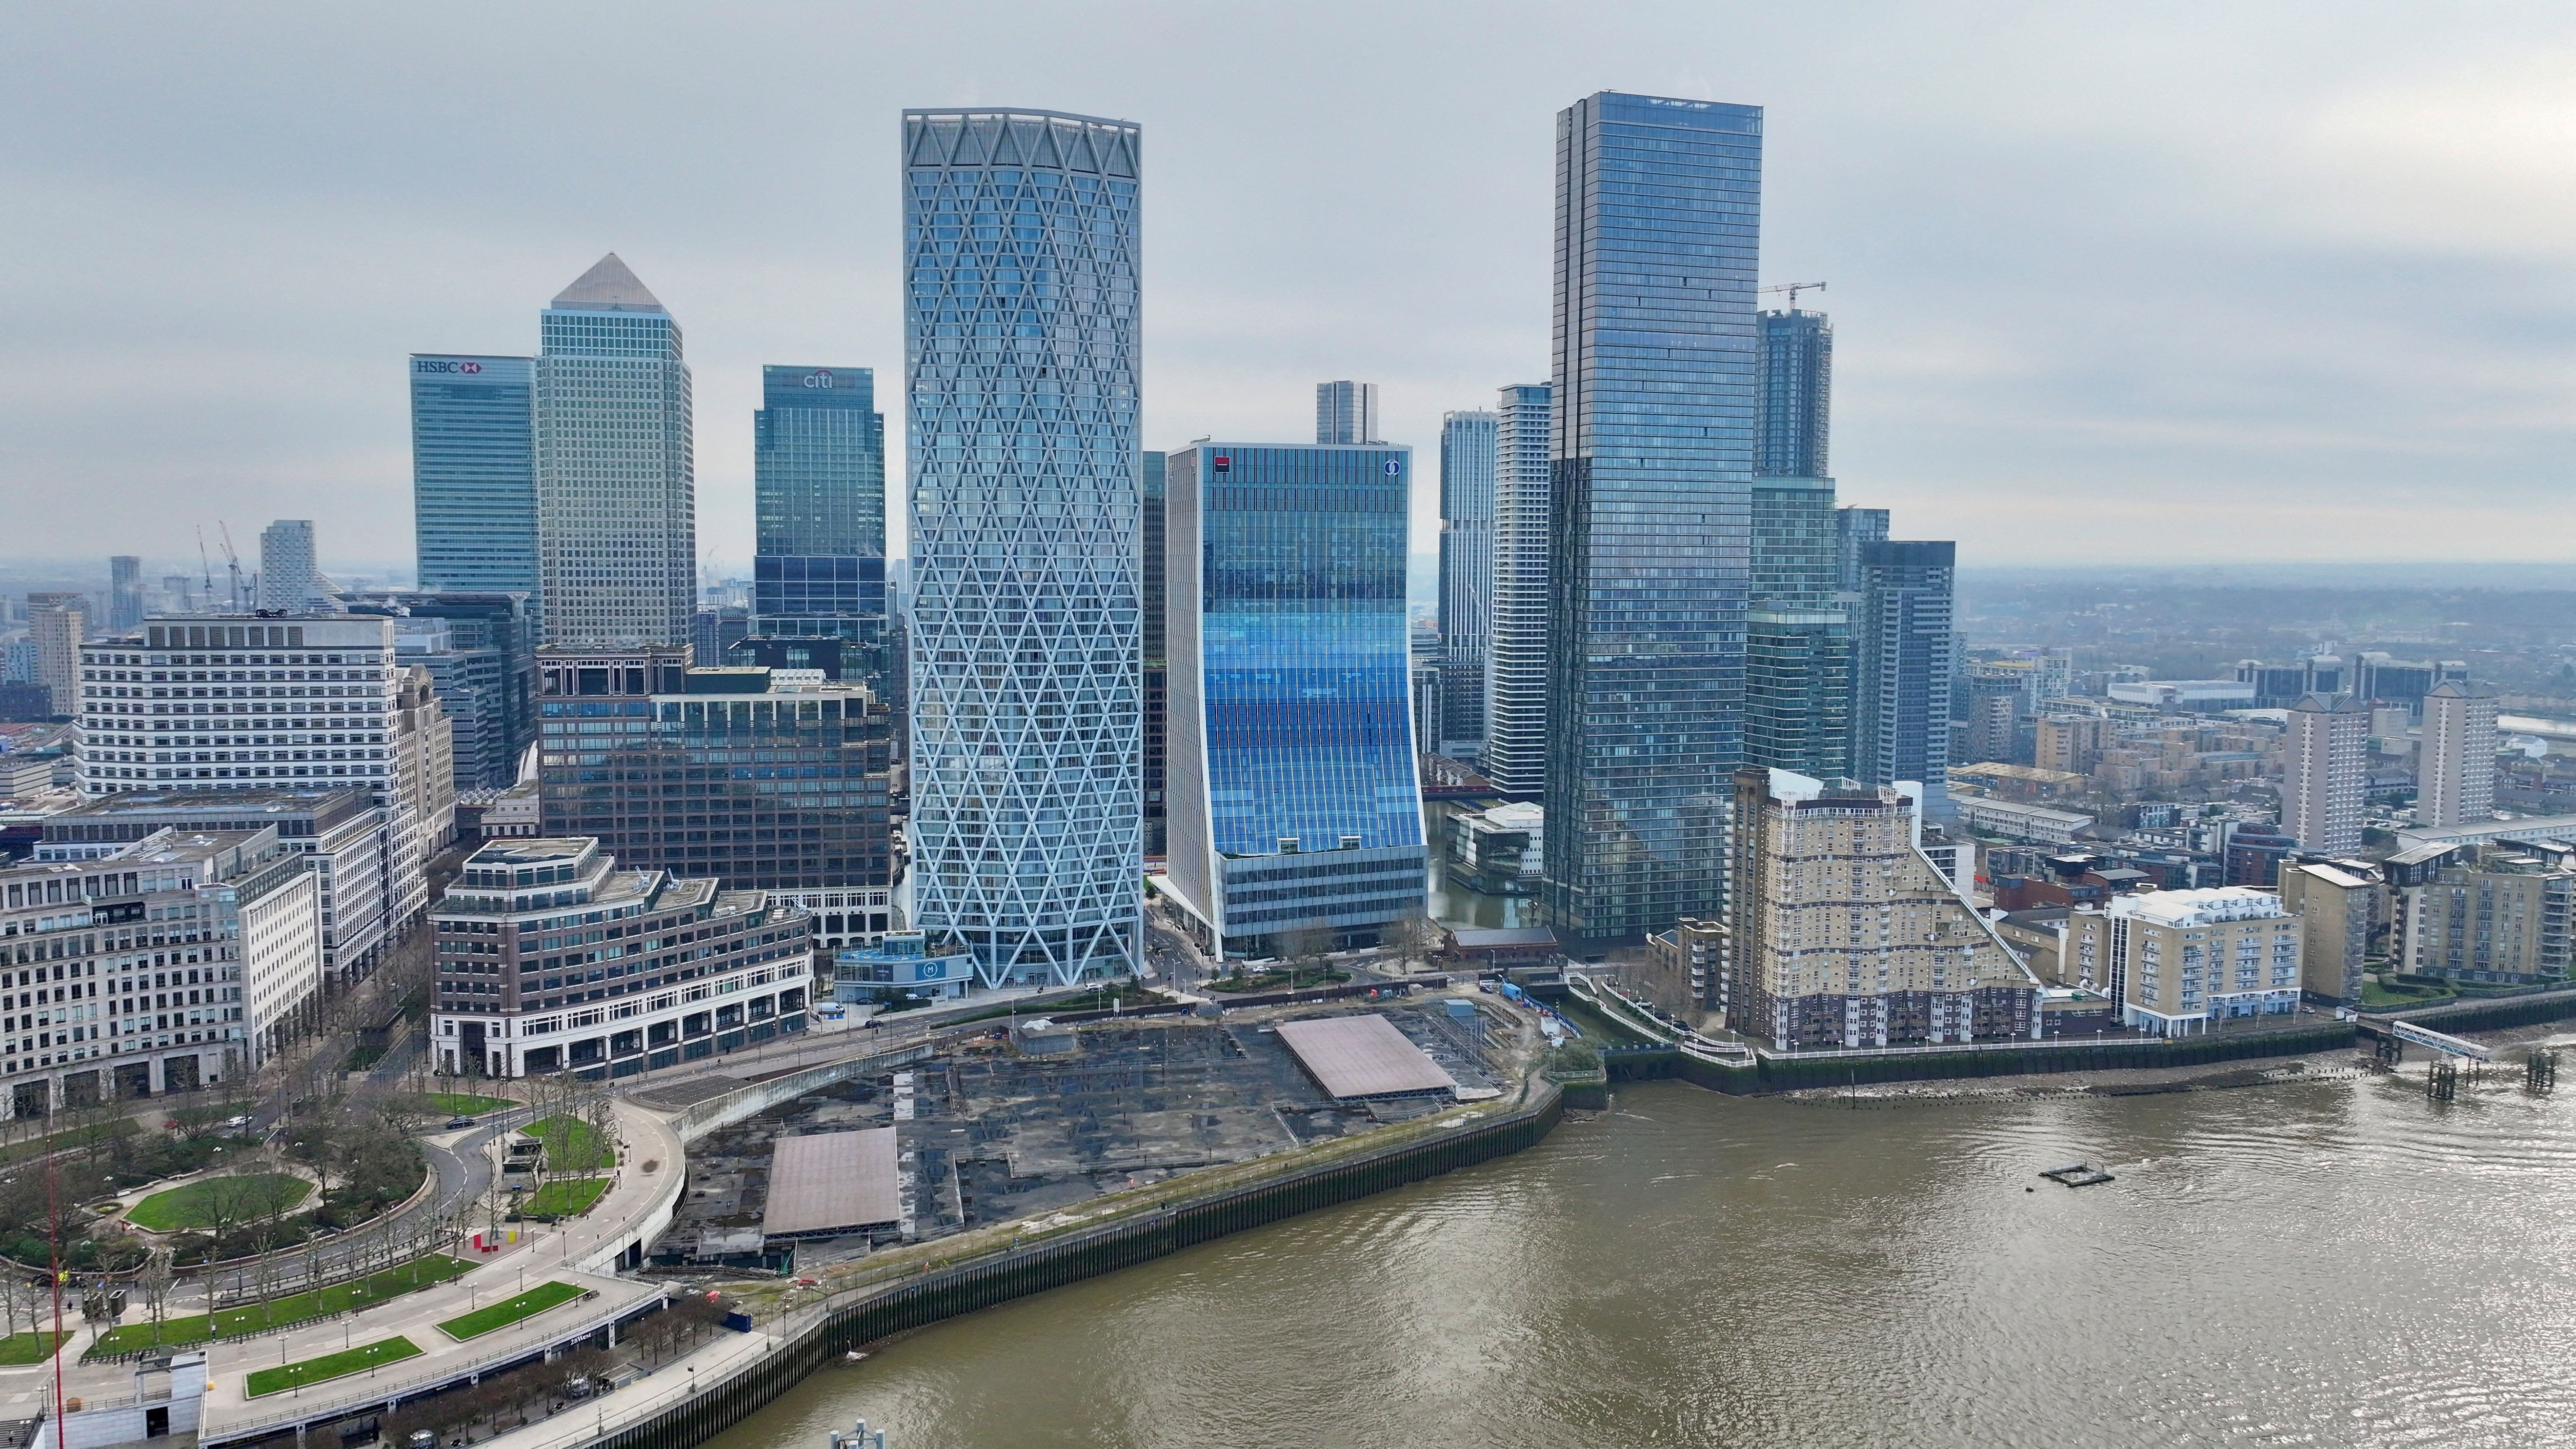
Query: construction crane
x=232 y=565
x=1793 y=289
x=206 y=568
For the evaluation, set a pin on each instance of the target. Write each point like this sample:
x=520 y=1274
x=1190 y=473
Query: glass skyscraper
x=1024 y=589
x=818 y=480
x=1796 y=419
x=1516 y=662
x=1907 y=656
x=1346 y=412
x=1157 y=670
x=474 y=473
x=1295 y=808
x=617 y=513
x=1466 y=575
x=1658 y=217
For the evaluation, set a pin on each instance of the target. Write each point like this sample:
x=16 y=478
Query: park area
x=330 y=1366
x=195 y=1328
x=217 y=1204
x=508 y=1311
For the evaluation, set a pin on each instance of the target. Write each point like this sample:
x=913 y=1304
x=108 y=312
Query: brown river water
x=2333 y=1262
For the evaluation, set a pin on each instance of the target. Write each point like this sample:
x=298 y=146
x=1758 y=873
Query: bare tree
x=1308 y=948
x=155 y=1282
x=1410 y=939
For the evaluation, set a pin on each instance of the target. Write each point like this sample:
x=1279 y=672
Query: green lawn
x=331 y=1366
x=28 y=1347
x=466 y=1104
x=571 y=1146
x=338 y=1298
x=508 y=1311
x=202 y=1203
x=562 y=1198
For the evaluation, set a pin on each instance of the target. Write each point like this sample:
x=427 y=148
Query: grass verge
x=330 y=1366
x=571 y=1146
x=365 y=1292
x=564 y=1197
x=466 y=1104
x=20 y=1348
x=508 y=1311
x=227 y=1200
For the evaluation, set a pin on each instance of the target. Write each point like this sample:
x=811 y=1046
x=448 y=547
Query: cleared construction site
x=1020 y=1125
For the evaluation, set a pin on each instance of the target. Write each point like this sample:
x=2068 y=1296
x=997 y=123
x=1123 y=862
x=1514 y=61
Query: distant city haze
x=2207 y=284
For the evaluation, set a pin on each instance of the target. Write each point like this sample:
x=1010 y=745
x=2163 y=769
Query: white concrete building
x=2017 y=821
x=2455 y=772
x=2326 y=772
x=290 y=580
x=2178 y=960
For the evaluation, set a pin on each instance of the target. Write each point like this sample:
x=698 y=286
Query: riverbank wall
x=2494 y=1015
x=816 y=1336
x=1769 y=1072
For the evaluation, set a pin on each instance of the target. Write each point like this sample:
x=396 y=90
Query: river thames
x=2326 y=1262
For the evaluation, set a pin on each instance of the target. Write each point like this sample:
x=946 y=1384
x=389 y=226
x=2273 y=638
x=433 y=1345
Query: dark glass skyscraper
x=1903 y=637
x=1158 y=677
x=1294 y=803
x=818 y=480
x=1658 y=216
x=1797 y=636
x=474 y=473
x=1020 y=257
x=1466 y=576
x=1797 y=370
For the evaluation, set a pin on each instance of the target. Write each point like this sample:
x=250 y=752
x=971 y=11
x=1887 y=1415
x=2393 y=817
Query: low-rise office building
x=170 y=964
x=551 y=958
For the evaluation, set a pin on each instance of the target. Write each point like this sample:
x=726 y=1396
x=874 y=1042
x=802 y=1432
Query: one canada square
x=1658 y=216
x=1021 y=373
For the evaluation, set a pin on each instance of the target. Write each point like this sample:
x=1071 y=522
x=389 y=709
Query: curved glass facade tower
x=1020 y=374
x=1295 y=808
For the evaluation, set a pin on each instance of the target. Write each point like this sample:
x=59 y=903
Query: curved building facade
x=1021 y=370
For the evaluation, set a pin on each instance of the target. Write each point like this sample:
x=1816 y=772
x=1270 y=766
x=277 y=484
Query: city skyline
x=1988 y=387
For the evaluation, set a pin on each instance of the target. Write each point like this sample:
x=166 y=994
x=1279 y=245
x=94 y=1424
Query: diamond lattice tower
x=1020 y=354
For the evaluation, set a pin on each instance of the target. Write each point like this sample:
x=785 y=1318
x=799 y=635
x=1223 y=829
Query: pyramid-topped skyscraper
x=617 y=532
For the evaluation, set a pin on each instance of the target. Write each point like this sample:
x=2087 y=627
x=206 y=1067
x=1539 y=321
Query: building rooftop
x=831 y=1182
x=609 y=286
x=2205 y=906
x=1363 y=1056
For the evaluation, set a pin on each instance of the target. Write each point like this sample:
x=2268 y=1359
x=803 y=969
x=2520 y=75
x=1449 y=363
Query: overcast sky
x=2167 y=283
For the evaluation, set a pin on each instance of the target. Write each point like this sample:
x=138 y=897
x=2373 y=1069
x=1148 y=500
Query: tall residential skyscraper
x=1295 y=808
x=1346 y=412
x=124 y=592
x=1854 y=530
x=1797 y=370
x=474 y=473
x=56 y=624
x=1658 y=218
x=1024 y=588
x=1467 y=441
x=288 y=576
x=1157 y=670
x=2326 y=769
x=1906 y=652
x=617 y=512
x=1516 y=662
x=1797 y=634
x=818 y=479
x=2455 y=771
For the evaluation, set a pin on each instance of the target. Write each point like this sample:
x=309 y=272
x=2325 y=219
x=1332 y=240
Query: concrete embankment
x=1770 y=1072
x=666 y=1413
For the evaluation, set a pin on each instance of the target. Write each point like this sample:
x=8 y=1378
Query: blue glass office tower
x=1021 y=377
x=1295 y=809
x=1658 y=216
x=818 y=482
x=474 y=473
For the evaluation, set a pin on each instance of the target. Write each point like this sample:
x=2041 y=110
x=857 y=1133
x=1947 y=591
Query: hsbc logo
x=429 y=365
x=819 y=377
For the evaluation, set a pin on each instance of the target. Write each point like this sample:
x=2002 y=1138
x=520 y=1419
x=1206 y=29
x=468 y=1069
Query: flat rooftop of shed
x=831 y=1182
x=1363 y=1056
